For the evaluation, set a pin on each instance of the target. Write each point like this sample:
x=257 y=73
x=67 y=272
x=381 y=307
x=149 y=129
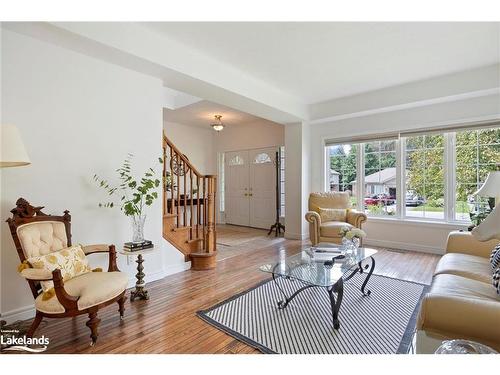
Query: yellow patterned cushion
x=332 y=214
x=71 y=261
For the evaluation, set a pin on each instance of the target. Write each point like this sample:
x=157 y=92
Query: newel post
x=211 y=233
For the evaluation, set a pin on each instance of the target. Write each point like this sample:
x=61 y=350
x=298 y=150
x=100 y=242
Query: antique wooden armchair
x=35 y=233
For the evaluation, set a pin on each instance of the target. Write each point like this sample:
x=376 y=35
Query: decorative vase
x=138 y=227
x=347 y=246
x=345 y=243
x=355 y=242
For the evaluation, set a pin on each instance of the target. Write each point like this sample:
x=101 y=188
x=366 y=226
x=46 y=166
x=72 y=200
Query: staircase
x=188 y=208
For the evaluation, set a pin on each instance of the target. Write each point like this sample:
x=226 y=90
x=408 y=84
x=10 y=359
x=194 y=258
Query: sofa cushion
x=334 y=199
x=469 y=266
x=332 y=228
x=457 y=307
x=93 y=288
x=333 y=214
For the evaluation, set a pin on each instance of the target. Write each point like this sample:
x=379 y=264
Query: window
x=477 y=153
x=430 y=168
x=380 y=177
x=262 y=159
x=424 y=159
x=237 y=160
x=342 y=172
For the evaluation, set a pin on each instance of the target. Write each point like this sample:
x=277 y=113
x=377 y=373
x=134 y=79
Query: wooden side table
x=140 y=292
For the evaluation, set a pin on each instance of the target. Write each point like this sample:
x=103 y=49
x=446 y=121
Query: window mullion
x=360 y=177
x=400 y=178
x=450 y=176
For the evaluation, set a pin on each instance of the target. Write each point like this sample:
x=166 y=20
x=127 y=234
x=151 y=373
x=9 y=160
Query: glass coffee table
x=323 y=266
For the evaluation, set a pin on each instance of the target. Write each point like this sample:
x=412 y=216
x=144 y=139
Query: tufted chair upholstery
x=40 y=238
x=330 y=231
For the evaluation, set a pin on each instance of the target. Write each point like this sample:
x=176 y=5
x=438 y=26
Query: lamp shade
x=491 y=187
x=12 y=151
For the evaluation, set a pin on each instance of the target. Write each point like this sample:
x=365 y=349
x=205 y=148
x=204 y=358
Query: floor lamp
x=12 y=154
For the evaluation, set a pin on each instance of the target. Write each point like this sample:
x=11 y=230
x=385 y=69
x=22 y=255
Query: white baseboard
x=28 y=312
x=404 y=246
x=169 y=270
x=296 y=236
x=22 y=313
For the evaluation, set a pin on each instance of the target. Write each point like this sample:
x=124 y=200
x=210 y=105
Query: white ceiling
x=316 y=62
x=201 y=114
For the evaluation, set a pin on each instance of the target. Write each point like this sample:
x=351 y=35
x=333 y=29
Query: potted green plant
x=135 y=195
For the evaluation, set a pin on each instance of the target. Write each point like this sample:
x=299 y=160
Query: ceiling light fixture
x=217 y=125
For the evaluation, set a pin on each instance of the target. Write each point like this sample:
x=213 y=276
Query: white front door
x=262 y=187
x=237 y=204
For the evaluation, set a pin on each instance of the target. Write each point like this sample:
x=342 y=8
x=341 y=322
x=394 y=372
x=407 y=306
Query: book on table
x=138 y=245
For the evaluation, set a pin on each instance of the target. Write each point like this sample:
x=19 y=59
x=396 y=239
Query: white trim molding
x=416 y=104
x=404 y=246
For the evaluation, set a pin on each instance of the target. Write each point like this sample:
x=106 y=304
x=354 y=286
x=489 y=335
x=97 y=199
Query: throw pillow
x=496 y=280
x=333 y=214
x=495 y=257
x=71 y=261
x=489 y=227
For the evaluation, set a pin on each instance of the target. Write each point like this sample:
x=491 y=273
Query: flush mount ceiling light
x=217 y=125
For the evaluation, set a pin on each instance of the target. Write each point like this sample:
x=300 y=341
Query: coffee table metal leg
x=335 y=304
x=283 y=304
x=368 y=292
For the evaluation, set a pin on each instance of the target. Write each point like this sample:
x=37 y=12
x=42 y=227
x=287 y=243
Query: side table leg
x=139 y=291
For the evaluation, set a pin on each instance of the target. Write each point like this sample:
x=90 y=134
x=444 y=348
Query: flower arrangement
x=353 y=233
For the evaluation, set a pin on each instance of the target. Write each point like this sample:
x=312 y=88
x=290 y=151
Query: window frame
x=449 y=177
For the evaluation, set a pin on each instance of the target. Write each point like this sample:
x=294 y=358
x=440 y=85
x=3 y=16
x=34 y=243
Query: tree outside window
x=425 y=176
x=342 y=174
x=477 y=154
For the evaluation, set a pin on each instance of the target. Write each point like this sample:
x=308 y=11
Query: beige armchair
x=329 y=231
x=36 y=235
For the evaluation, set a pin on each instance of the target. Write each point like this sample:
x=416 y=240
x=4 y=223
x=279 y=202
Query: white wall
x=196 y=143
x=259 y=134
x=78 y=116
x=297 y=179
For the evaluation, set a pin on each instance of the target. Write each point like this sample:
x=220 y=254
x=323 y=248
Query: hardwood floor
x=167 y=322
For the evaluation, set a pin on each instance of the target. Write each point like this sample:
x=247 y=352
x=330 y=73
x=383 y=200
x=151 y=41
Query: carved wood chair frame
x=25 y=213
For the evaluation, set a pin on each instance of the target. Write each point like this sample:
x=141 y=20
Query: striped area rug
x=382 y=323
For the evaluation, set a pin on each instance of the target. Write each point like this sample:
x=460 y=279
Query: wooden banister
x=183 y=211
x=181 y=155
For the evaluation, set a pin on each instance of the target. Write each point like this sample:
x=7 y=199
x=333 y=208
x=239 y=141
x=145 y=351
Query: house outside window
x=380 y=177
